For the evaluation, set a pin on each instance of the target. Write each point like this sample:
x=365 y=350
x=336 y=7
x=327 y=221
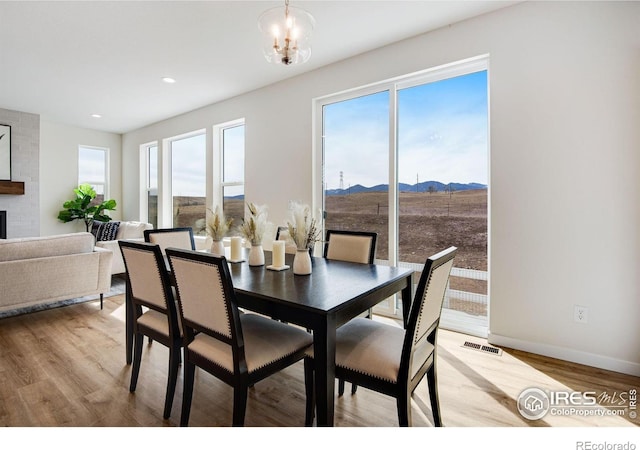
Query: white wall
x=59 y=171
x=564 y=181
x=22 y=210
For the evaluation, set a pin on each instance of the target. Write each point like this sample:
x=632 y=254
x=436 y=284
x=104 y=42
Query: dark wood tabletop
x=334 y=293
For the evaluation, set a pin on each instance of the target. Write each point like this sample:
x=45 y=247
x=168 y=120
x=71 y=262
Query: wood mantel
x=12 y=187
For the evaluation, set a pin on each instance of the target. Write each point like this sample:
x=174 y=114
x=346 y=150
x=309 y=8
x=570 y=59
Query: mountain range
x=420 y=187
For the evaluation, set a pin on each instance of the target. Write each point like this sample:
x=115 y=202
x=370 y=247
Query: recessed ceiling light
x=168 y=80
x=97 y=116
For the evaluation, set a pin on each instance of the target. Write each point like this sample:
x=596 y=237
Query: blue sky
x=442 y=135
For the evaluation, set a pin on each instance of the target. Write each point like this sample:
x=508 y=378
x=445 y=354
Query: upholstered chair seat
x=265 y=342
x=156 y=321
x=371 y=348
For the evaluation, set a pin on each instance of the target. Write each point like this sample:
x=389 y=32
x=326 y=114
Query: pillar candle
x=236 y=248
x=278 y=253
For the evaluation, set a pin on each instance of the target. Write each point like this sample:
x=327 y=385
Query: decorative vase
x=217 y=247
x=302 y=262
x=256 y=255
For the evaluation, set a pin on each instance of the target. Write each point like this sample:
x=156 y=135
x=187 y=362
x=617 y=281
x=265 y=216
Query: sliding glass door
x=410 y=161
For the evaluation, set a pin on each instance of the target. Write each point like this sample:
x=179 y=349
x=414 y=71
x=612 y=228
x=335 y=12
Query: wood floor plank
x=65 y=367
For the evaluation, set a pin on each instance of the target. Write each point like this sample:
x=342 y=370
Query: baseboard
x=567 y=354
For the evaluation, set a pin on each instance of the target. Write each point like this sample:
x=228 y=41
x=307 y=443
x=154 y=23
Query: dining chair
x=155 y=312
x=239 y=349
x=180 y=237
x=392 y=360
x=351 y=246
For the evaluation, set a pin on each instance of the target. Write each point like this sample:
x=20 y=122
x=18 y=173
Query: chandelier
x=286 y=34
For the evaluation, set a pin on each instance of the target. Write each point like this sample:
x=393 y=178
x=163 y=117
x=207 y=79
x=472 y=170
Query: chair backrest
x=181 y=237
x=206 y=297
x=148 y=280
x=352 y=246
x=424 y=317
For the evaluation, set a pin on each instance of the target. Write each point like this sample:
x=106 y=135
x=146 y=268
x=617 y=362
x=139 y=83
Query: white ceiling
x=69 y=60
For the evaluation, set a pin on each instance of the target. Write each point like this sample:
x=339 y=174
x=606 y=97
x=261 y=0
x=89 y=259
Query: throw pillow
x=95 y=228
x=105 y=231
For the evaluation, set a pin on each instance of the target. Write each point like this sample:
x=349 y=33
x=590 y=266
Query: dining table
x=334 y=293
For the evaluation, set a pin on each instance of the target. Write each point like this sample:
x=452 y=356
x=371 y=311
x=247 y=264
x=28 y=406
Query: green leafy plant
x=81 y=207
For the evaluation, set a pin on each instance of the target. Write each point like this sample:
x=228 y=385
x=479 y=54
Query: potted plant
x=81 y=207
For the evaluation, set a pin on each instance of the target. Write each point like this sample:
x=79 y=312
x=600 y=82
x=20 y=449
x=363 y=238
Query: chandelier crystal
x=286 y=34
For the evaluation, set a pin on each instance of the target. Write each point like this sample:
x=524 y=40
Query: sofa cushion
x=105 y=231
x=132 y=230
x=39 y=247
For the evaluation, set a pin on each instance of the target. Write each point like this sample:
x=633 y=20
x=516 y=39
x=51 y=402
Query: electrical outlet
x=580 y=314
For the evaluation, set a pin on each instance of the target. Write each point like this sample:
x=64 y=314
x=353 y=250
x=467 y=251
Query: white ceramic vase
x=256 y=255
x=217 y=248
x=302 y=262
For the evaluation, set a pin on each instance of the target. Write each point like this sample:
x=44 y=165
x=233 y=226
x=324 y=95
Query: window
x=409 y=159
x=188 y=182
x=230 y=152
x=357 y=130
x=93 y=168
x=175 y=190
x=150 y=197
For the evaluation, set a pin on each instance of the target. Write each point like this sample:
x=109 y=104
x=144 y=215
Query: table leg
x=324 y=349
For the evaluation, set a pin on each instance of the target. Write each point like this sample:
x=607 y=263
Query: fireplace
x=3 y=224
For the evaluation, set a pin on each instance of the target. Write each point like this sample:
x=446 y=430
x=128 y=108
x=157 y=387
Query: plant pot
x=256 y=255
x=217 y=248
x=302 y=262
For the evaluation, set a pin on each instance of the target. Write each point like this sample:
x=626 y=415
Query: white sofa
x=41 y=270
x=127 y=230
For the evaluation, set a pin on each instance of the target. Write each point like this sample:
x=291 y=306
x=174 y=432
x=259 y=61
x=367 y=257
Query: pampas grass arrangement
x=303 y=228
x=254 y=228
x=217 y=225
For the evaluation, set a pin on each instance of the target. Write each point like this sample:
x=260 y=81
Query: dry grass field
x=429 y=222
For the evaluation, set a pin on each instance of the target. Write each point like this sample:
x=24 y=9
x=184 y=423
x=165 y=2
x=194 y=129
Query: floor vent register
x=483 y=348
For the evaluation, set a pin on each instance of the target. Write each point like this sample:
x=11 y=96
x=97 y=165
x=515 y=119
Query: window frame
x=218 y=160
x=446 y=71
x=94 y=183
x=145 y=162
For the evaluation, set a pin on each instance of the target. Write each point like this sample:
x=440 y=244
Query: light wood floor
x=66 y=368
